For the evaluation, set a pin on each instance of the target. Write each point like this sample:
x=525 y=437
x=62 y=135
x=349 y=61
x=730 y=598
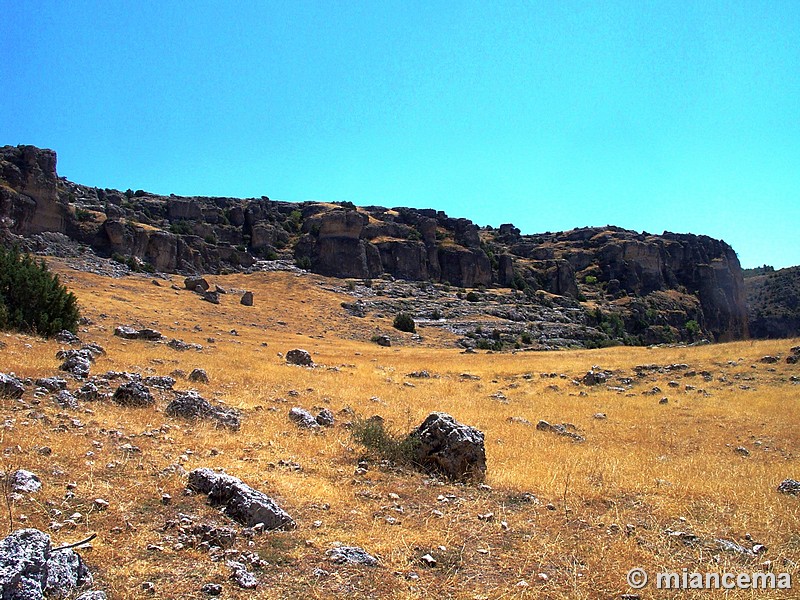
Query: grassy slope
x=650 y=465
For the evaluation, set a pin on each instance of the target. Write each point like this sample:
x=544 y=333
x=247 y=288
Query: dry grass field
x=570 y=519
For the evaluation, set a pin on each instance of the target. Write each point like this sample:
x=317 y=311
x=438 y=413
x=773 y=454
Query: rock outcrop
x=445 y=446
x=240 y=502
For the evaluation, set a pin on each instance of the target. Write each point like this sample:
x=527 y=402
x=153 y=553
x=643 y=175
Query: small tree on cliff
x=32 y=299
x=404 y=322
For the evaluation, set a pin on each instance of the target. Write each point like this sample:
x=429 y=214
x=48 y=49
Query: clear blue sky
x=680 y=116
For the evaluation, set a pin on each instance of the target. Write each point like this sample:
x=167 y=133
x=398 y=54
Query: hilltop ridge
x=627 y=287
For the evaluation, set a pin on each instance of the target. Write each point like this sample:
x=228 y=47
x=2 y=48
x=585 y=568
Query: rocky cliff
x=773 y=300
x=634 y=287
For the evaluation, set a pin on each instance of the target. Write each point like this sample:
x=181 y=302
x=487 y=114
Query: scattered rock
x=51 y=384
x=351 y=555
x=92 y=595
x=594 y=377
x=10 y=386
x=789 y=486
x=198 y=376
x=428 y=560
x=25 y=482
x=241 y=576
x=76 y=362
x=768 y=360
x=67 y=337
x=383 y=340
x=742 y=451
x=211 y=589
x=66 y=400
x=600 y=416
x=448 y=447
x=130 y=333
x=212 y=297
x=562 y=429
x=299 y=357
x=303 y=418
x=190 y=405
x=241 y=502
x=161 y=382
x=325 y=418
x=31 y=570
x=193 y=283
x=181 y=346
x=419 y=374
x=88 y=392
x=247 y=299
x=133 y=394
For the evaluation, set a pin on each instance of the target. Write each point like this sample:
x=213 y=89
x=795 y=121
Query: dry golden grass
x=649 y=465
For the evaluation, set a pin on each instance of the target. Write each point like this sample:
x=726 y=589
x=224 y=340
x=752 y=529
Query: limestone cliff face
x=662 y=287
x=29 y=201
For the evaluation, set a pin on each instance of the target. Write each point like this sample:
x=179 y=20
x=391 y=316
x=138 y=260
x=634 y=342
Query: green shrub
x=590 y=279
x=382 y=443
x=32 y=299
x=404 y=322
x=473 y=297
x=303 y=262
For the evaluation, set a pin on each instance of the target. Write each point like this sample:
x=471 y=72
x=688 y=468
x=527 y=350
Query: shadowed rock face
x=29 y=203
x=701 y=275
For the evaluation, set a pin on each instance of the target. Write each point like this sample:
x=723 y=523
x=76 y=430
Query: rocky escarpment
x=634 y=287
x=773 y=300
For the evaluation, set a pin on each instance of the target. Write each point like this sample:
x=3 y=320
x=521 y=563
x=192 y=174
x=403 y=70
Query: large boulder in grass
x=299 y=357
x=241 y=502
x=445 y=446
x=30 y=569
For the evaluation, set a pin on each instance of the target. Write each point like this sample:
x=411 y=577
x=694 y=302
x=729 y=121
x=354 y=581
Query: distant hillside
x=773 y=302
x=611 y=285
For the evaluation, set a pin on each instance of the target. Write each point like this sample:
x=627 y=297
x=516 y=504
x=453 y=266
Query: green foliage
x=693 y=328
x=473 y=297
x=414 y=235
x=83 y=215
x=211 y=239
x=590 y=279
x=32 y=299
x=180 y=227
x=382 y=443
x=526 y=338
x=404 y=322
x=303 y=262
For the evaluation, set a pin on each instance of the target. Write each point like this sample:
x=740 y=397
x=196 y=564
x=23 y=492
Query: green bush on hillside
x=404 y=322
x=32 y=299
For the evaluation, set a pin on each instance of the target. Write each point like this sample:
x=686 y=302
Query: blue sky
x=679 y=116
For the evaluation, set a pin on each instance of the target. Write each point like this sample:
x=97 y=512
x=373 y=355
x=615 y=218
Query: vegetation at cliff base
x=32 y=299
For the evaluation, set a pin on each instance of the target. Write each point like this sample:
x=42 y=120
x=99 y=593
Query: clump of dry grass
x=646 y=468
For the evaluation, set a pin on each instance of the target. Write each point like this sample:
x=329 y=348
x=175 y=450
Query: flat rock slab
x=241 y=502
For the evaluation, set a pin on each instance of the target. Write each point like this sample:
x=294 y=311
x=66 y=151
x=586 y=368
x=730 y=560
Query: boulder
x=67 y=337
x=23 y=481
x=299 y=357
x=325 y=418
x=30 y=569
x=594 y=377
x=190 y=405
x=133 y=394
x=76 y=362
x=66 y=400
x=212 y=297
x=789 y=486
x=383 y=340
x=10 y=386
x=198 y=376
x=241 y=502
x=247 y=299
x=162 y=382
x=450 y=448
x=303 y=418
x=193 y=283
x=51 y=384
